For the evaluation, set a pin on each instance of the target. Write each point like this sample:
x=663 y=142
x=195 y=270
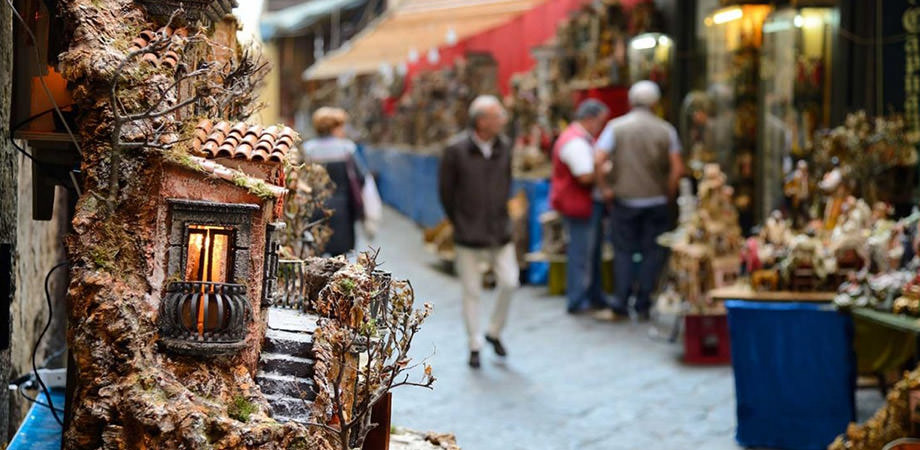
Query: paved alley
x=568 y=382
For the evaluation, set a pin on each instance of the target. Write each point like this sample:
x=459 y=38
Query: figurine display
x=864 y=150
x=706 y=246
x=798 y=192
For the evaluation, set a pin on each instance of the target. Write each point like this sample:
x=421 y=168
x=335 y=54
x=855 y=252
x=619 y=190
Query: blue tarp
x=40 y=431
x=794 y=373
x=409 y=183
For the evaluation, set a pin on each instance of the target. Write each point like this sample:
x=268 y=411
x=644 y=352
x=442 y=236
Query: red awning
x=510 y=43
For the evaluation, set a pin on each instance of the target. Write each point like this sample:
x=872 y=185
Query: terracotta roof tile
x=244 y=141
x=169 y=58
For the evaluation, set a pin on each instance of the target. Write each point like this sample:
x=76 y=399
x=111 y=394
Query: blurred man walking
x=570 y=195
x=474 y=185
x=645 y=166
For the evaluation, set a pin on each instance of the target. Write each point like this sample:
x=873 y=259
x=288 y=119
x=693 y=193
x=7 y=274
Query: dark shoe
x=474 y=359
x=497 y=345
x=643 y=316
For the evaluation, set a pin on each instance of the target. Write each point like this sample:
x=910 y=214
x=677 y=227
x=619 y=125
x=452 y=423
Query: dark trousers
x=634 y=233
x=583 y=261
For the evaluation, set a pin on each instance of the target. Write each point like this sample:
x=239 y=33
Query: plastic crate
x=706 y=339
x=556 y=280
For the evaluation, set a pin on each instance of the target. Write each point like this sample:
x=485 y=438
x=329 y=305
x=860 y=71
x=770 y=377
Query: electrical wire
x=39 y=340
x=41 y=79
x=23 y=123
x=38 y=402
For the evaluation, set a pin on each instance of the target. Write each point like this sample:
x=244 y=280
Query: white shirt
x=578 y=155
x=484 y=147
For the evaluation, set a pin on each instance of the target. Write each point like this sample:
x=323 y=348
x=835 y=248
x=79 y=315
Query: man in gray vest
x=639 y=166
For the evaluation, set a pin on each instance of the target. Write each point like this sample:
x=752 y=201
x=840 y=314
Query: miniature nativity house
x=174 y=252
x=216 y=226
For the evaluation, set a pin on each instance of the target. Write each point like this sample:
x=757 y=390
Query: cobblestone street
x=568 y=382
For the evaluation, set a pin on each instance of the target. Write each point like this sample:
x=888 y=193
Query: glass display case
x=650 y=56
x=795 y=85
x=733 y=37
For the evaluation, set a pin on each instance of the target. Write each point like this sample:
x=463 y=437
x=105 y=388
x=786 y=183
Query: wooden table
x=749 y=294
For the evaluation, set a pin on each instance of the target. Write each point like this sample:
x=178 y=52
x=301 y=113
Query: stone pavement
x=568 y=382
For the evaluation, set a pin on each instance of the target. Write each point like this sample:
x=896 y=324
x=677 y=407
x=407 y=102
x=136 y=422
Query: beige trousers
x=471 y=264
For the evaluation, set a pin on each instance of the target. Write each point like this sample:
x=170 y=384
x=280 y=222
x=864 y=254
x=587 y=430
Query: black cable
x=35 y=162
x=39 y=340
x=35 y=400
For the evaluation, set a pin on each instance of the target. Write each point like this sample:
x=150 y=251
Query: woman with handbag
x=337 y=154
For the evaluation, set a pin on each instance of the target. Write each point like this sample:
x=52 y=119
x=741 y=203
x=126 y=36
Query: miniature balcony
x=204 y=318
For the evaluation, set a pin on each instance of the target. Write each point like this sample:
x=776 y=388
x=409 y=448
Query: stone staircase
x=285 y=372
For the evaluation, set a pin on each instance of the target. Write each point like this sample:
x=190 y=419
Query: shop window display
x=795 y=88
x=733 y=41
x=650 y=56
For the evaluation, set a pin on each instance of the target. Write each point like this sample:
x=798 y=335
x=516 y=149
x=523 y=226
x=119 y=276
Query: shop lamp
x=728 y=15
x=644 y=43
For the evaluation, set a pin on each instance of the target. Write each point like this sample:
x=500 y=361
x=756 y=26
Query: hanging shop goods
x=795 y=84
x=733 y=42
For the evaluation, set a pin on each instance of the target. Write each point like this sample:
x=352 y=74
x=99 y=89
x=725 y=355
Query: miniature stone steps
x=288 y=409
x=286 y=365
x=288 y=386
x=288 y=343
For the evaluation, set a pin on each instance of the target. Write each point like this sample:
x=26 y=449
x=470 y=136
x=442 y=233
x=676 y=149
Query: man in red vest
x=571 y=195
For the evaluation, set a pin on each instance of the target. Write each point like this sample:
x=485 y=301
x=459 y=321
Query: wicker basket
x=213 y=10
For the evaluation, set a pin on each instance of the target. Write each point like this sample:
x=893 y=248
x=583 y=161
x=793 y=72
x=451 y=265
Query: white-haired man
x=639 y=166
x=474 y=184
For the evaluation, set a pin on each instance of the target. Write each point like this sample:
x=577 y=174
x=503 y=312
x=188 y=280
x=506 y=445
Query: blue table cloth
x=795 y=373
x=40 y=431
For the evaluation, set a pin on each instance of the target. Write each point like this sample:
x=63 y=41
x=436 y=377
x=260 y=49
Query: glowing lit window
x=208 y=254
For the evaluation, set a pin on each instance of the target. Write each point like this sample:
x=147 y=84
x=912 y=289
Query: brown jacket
x=474 y=191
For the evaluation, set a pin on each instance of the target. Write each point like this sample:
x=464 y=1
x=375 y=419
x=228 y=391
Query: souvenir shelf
x=733 y=41
x=795 y=86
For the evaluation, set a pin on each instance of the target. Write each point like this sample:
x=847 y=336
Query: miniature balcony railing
x=295 y=284
x=291 y=292
x=204 y=318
